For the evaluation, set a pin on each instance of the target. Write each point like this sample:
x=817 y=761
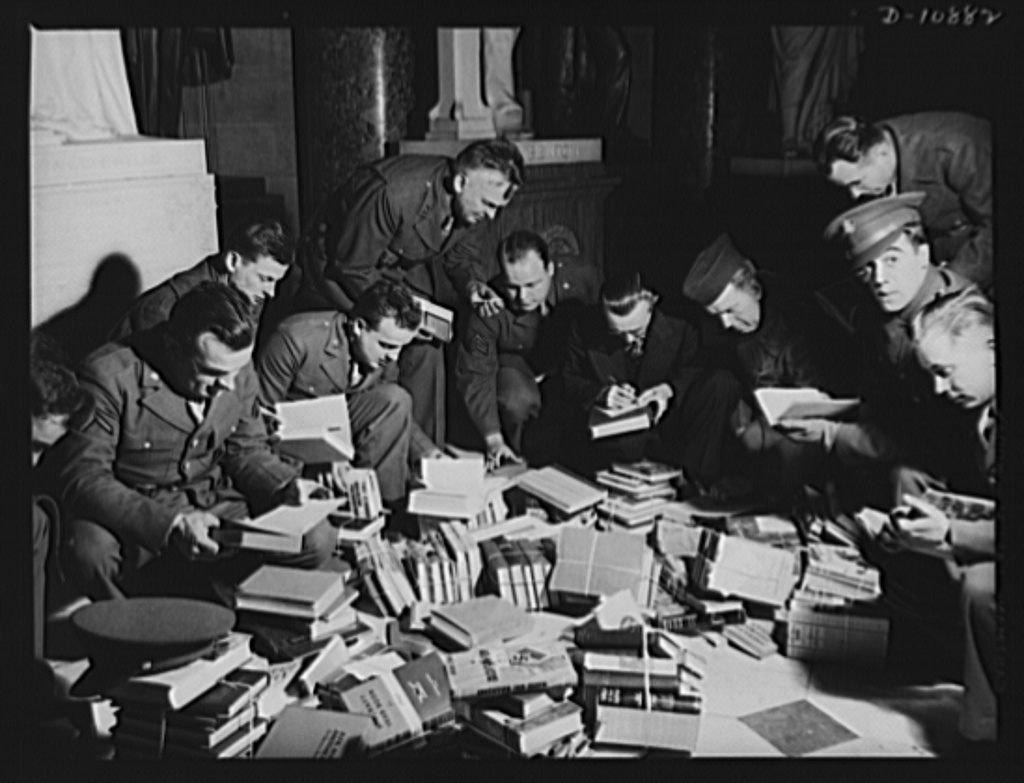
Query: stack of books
x=638 y=491
x=364 y=517
x=826 y=628
x=590 y=564
x=641 y=702
x=479 y=621
x=152 y=722
x=279 y=530
x=444 y=565
x=384 y=578
x=497 y=670
x=310 y=604
x=734 y=566
x=526 y=724
x=771 y=529
x=402 y=704
x=562 y=492
x=519 y=570
x=841 y=572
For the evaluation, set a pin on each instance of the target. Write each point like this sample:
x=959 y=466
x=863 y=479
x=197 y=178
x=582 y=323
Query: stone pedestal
x=149 y=202
x=460 y=112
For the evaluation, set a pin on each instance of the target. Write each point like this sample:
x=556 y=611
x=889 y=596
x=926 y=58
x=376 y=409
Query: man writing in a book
x=175 y=445
x=625 y=351
x=505 y=362
x=767 y=344
x=327 y=352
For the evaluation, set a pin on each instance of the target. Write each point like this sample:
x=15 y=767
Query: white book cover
x=317 y=430
x=779 y=404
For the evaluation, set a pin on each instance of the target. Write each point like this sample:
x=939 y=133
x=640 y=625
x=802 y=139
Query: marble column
x=353 y=90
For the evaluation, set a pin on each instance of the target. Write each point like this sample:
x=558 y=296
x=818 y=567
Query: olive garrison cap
x=868 y=228
x=712 y=270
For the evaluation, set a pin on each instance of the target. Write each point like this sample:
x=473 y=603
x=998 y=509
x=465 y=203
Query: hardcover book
x=592 y=563
x=605 y=422
x=315 y=431
x=437 y=320
x=562 y=490
x=298 y=592
x=527 y=736
x=404 y=703
x=304 y=733
x=514 y=668
x=479 y=621
x=176 y=688
x=778 y=404
x=287 y=523
x=648 y=470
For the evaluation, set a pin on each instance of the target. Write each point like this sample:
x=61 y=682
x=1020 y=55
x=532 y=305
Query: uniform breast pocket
x=148 y=457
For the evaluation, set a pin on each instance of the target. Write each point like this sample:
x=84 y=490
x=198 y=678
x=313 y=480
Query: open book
x=316 y=431
x=604 y=422
x=804 y=403
x=437 y=320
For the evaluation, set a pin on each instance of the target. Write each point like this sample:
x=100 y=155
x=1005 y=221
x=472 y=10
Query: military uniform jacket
x=154 y=306
x=141 y=458
x=948 y=155
x=308 y=356
x=596 y=359
x=900 y=414
x=537 y=340
x=975 y=540
x=387 y=220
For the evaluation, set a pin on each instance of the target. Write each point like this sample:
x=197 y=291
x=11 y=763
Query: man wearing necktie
x=625 y=351
x=955 y=343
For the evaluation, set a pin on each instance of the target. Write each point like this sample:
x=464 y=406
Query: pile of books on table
x=203 y=709
x=637 y=492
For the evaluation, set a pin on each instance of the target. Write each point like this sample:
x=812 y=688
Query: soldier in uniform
x=418 y=219
x=945 y=155
x=506 y=364
x=175 y=445
x=324 y=352
x=256 y=258
x=900 y=417
x=768 y=343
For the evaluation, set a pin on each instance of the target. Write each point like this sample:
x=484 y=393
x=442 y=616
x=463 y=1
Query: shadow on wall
x=84 y=326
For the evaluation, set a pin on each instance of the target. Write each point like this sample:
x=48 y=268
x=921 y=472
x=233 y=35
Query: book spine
x=637 y=698
x=497 y=568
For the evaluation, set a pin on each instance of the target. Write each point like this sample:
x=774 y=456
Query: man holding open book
x=327 y=352
x=175 y=445
x=768 y=346
x=954 y=339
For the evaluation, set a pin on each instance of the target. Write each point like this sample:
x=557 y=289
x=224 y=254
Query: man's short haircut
x=263 y=238
x=746 y=278
x=499 y=154
x=53 y=387
x=954 y=314
x=388 y=299
x=845 y=138
x=621 y=293
x=517 y=244
x=216 y=308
